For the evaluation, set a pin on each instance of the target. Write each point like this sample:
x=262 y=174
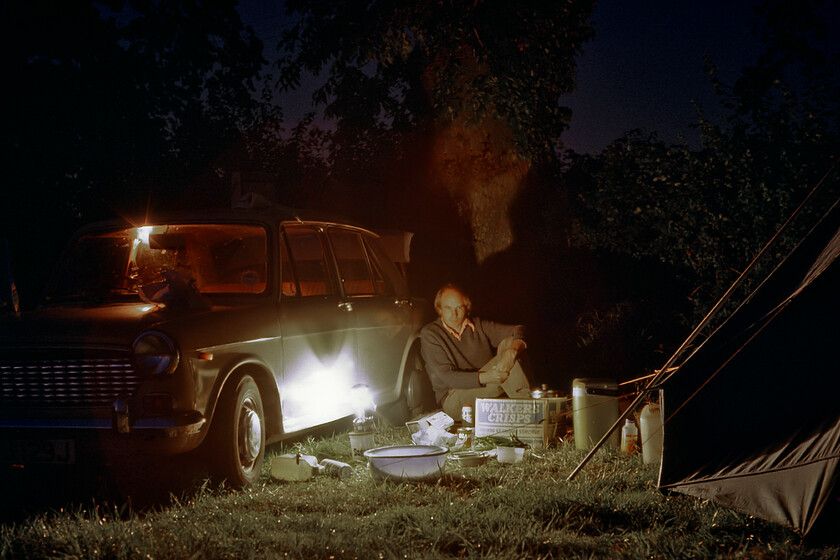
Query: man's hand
x=507 y=359
x=493 y=376
x=504 y=361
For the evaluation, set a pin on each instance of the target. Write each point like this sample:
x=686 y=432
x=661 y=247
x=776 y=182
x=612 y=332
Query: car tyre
x=418 y=394
x=238 y=449
x=416 y=397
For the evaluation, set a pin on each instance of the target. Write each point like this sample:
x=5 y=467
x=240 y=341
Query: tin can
x=467 y=415
x=337 y=468
x=543 y=392
x=465 y=435
x=361 y=442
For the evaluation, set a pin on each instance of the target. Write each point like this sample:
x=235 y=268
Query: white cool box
x=537 y=422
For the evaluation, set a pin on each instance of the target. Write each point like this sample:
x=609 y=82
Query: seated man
x=470 y=358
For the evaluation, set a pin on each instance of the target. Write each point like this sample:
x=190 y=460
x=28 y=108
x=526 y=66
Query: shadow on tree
x=588 y=314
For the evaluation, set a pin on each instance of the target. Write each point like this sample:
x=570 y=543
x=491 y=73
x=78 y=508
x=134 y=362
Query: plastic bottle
x=629 y=437
x=651 y=428
x=294 y=467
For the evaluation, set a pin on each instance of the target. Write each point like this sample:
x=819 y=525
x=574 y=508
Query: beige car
x=225 y=331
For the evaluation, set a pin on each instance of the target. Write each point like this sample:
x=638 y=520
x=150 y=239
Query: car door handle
x=346 y=306
x=402 y=302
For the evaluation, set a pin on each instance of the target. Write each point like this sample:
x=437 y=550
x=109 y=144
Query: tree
x=115 y=106
x=707 y=213
x=396 y=63
x=466 y=85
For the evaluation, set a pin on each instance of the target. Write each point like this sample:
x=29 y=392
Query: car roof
x=273 y=215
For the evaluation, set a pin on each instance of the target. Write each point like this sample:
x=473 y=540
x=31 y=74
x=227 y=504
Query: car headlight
x=155 y=353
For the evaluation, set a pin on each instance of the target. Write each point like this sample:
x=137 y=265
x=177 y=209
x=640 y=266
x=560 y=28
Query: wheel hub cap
x=250 y=436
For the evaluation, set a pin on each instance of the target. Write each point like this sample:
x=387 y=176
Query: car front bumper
x=28 y=440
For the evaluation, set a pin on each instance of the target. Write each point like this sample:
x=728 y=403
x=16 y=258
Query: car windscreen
x=211 y=258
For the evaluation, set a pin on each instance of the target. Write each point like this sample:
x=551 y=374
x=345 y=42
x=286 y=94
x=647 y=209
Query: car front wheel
x=238 y=449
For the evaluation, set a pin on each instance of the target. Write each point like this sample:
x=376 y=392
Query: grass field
x=612 y=509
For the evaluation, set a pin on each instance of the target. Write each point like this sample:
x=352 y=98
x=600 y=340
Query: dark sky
x=645 y=66
x=642 y=70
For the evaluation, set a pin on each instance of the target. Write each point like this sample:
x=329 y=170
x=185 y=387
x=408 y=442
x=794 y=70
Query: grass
x=612 y=509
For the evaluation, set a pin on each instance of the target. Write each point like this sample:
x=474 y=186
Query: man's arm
x=507 y=358
x=518 y=345
x=509 y=341
x=497 y=333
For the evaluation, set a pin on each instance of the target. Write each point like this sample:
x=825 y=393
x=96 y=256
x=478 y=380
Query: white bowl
x=407 y=462
x=510 y=454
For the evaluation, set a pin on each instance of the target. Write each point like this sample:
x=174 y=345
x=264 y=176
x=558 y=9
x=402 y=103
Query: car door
x=316 y=325
x=381 y=309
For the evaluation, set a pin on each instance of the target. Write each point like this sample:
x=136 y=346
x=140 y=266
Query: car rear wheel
x=416 y=397
x=419 y=395
x=238 y=450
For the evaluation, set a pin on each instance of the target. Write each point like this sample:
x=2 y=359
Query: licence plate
x=38 y=451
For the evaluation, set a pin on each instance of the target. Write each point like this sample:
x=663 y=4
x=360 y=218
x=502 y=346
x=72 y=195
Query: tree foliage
x=707 y=213
x=116 y=105
x=106 y=92
x=398 y=64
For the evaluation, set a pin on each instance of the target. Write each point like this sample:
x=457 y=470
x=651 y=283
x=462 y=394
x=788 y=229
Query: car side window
x=352 y=262
x=381 y=284
x=389 y=281
x=309 y=274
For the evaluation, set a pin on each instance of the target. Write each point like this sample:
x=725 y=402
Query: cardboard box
x=432 y=430
x=535 y=421
x=440 y=420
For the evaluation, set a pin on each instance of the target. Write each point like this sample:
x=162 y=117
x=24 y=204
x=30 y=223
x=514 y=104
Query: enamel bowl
x=407 y=462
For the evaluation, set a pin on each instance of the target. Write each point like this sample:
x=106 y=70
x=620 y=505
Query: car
x=223 y=331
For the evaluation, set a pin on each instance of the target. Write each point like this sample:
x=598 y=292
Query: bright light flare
x=362 y=399
x=143 y=233
x=317 y=393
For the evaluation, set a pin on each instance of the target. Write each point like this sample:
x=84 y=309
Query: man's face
x=453 y=309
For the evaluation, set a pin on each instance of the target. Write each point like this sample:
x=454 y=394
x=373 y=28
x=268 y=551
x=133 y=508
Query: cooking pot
x=543 y=392
x=468 y=458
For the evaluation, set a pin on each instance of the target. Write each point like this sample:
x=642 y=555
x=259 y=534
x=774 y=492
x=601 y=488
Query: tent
x=752 y=416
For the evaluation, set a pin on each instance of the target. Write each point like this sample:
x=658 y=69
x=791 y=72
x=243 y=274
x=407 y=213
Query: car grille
x=65 y=382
